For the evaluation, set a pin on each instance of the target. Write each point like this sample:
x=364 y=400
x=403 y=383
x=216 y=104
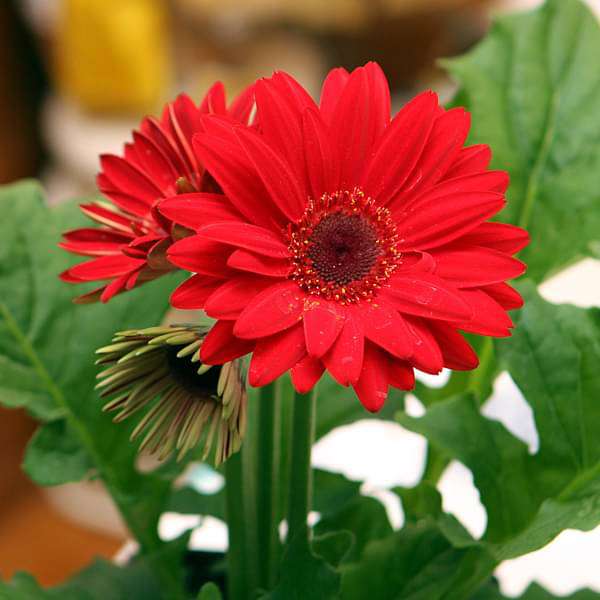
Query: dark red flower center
x=344 y=247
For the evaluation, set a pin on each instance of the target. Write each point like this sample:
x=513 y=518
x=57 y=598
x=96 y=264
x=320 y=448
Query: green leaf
x=43 y=334
x=334 y=546
x=305 y=575
x=55 y=455
x=20 y=387
x=531 y=498
x=100 y=581
x=533 y=89
x=497 y=459
x=553 y=358
x=416 y=563
x=364 y=517
x=209 y=591
x=188 y=501
x=331 y=491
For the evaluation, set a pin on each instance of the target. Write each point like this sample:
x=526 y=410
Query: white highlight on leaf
x=380 y=453
x=563 y=566
x=461 y=498
x=573 y=285
x=507 y=405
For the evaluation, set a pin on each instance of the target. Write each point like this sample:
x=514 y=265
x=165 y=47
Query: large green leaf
x=305 y=575
x=48 y=346
x=416 y=563
x=533 y=88
x=55 y=455
x=100 y=581
x=553 y=357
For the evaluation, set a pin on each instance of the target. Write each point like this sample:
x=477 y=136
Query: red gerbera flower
x=129 y=246
x=348 y=241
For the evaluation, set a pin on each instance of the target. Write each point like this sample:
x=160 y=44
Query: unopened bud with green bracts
x=157 y=372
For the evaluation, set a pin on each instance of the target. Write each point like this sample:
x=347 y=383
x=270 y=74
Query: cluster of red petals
x=344 y=239
x=130 y=245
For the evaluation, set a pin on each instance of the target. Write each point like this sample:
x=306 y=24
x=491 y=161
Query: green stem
x=148 y=540
x=300 y=485
x=237 y=552
x=267 y=492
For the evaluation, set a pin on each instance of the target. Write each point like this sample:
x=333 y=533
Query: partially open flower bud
x=158 y=370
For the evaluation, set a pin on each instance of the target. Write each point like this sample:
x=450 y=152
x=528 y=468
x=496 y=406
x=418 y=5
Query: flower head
x=158 y=370
x=347 y=240
x=129 y=246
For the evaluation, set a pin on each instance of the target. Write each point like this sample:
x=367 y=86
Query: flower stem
x=237 y=552
x=267 y=490
x=300 y=485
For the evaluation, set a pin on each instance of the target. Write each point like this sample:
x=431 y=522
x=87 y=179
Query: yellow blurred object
x=114 y=55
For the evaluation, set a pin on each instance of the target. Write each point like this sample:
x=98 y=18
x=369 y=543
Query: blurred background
x=75 y=78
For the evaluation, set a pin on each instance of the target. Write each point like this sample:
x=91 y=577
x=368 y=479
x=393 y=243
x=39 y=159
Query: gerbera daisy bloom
x=349 y=241
x=158 y=370
x=129 y=246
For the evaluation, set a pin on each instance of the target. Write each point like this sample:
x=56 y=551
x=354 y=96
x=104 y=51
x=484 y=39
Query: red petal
x=427 y=296
x=457 y=352
x=229 y=165
x=471 y=266
x=280 y=120
x=332 y=89
x=274 y=355
x=386 y=328
x=447 y=137
x=356 y=124
x=323 y=322
x=471 y=159
x=241 y=107
x=507 y=297
x=107 y=217
x=322 y=165
x=154 y=162
x=105 y=267
x=198 y=209
x=400 y=148
x=306 y=374
x=261 y=265
x=401 y=375
x=427 y=355
x=125 y=202
x=161 y=136
x=278 y=307
x=372 y=386
x=489 y=318
x=193 y=293
x=229 y=300
x=379 y=96
x=214 y=100
x=344 y=360
x=199 y=255
x=437 y=221
x=221 y=346
x=498 y=236
x=278 y=178
x=128 y=179
x=243 y=235
x=114 y=287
